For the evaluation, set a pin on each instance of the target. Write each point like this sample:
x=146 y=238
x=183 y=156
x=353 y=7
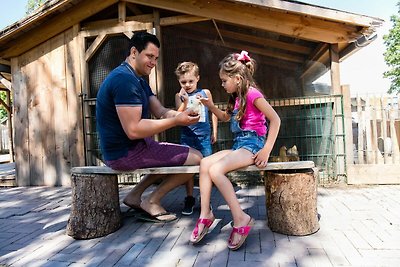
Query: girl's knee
x=215 y=171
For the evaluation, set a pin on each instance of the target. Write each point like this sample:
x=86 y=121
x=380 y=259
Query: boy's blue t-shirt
x=122 y=87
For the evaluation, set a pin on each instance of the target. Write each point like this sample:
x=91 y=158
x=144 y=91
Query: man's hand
x=187 y=117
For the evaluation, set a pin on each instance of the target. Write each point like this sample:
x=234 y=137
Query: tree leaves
x=392 y=53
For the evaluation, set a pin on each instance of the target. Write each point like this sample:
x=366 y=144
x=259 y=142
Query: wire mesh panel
x=315 y=125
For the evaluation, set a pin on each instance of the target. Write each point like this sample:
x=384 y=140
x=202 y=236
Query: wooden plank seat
x=95 y=208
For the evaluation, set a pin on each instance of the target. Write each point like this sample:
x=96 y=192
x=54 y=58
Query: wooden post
x=291 y=200
x=384 y=129
x=360 y=145
x=348 y=120
x=95 y=209
x=376 y=153
x=368 y=137
x=335 y=70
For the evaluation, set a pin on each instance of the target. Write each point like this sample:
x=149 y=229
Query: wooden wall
x=47 y=112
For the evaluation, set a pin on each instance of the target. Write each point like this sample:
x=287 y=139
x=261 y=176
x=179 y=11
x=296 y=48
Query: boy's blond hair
x=185 y=67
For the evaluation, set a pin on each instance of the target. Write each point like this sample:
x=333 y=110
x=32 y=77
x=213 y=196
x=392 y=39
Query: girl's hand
x=205 y=101
x=261 y=158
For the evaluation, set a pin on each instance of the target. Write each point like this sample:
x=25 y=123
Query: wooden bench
x=95 y=209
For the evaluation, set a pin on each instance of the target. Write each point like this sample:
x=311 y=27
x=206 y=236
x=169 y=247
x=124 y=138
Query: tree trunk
x=95 y=209
x=291 y=200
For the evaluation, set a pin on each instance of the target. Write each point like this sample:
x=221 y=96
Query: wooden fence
x=4 y=139
x=376 y=134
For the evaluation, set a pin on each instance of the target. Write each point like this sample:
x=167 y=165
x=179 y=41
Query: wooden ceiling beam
x=134 y=9
x=267 y=42
x=182 y=19
x=119 y=27
x=102 y=24
x=256 y=50
x=297 y=26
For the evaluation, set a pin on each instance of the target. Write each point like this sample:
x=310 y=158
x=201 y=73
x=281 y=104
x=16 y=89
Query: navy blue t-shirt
x=122 y=87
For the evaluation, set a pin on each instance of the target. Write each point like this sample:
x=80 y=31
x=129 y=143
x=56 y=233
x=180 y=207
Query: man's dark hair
x=140 y=40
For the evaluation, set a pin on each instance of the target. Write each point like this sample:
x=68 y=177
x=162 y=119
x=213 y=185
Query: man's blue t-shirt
x=122 y=87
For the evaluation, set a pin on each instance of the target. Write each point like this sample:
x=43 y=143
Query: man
x=123 y=108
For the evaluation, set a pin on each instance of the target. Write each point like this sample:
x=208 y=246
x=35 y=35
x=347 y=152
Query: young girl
x=248 y=110
x=199 y=135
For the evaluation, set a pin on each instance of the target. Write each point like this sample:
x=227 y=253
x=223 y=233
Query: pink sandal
x=243 y=232
x=198 y=237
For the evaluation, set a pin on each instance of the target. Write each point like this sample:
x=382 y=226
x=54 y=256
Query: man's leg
x=152 y=203
x=134 y=197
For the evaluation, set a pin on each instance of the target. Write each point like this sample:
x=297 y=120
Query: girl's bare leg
x=234 y=160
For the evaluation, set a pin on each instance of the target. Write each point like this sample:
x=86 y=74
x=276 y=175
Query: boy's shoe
x=189 y=205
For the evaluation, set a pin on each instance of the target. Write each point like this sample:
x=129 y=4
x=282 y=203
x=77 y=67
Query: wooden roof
x=291 y=31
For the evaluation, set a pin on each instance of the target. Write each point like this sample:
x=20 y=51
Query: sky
x=363 y=71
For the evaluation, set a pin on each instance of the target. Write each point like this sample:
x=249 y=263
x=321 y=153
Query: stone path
x=360 y=226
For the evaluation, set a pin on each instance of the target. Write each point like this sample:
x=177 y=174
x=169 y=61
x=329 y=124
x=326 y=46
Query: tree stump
x=291 y=200
x=95 y=209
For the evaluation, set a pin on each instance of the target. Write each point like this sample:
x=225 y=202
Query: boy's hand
x=183 y=95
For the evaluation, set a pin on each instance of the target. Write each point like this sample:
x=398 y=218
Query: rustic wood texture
x=291 y=200
x=95 y=209
x=292 y=165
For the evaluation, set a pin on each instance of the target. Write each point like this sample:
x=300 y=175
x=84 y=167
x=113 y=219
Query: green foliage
x=392 y=53
x=3 y=111
x=33 y=4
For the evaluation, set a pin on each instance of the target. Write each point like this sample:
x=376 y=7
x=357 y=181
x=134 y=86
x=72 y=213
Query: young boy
x=198 y=135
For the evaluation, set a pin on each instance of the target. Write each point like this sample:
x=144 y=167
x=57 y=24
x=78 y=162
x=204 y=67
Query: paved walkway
x=360 y=226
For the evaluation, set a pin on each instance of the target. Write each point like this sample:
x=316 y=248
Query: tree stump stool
x=95 y=210
x=291 y=201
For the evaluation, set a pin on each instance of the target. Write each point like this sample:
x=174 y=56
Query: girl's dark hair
x=141 y=39
x=231 y=66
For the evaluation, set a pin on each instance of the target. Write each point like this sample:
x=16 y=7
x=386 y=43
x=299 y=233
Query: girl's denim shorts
x=249 y=140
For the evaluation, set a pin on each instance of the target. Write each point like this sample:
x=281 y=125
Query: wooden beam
x=95 y=46
x=167 y=21
x=100 y=24
x=267 y=42
x=294 y=25
x=257 y=50
x=119 y=27
x=335 y=70
x=316 y=62
x=5 y=82
x=134 y=9
x=54 y=26
x=316 y=11
x=122 y=11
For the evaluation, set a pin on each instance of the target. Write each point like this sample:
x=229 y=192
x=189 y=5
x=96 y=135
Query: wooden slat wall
x=74 y=88
x=48 y=123
x=20 y=121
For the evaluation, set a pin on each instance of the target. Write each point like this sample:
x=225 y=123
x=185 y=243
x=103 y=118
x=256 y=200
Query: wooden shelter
x=60 y=54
